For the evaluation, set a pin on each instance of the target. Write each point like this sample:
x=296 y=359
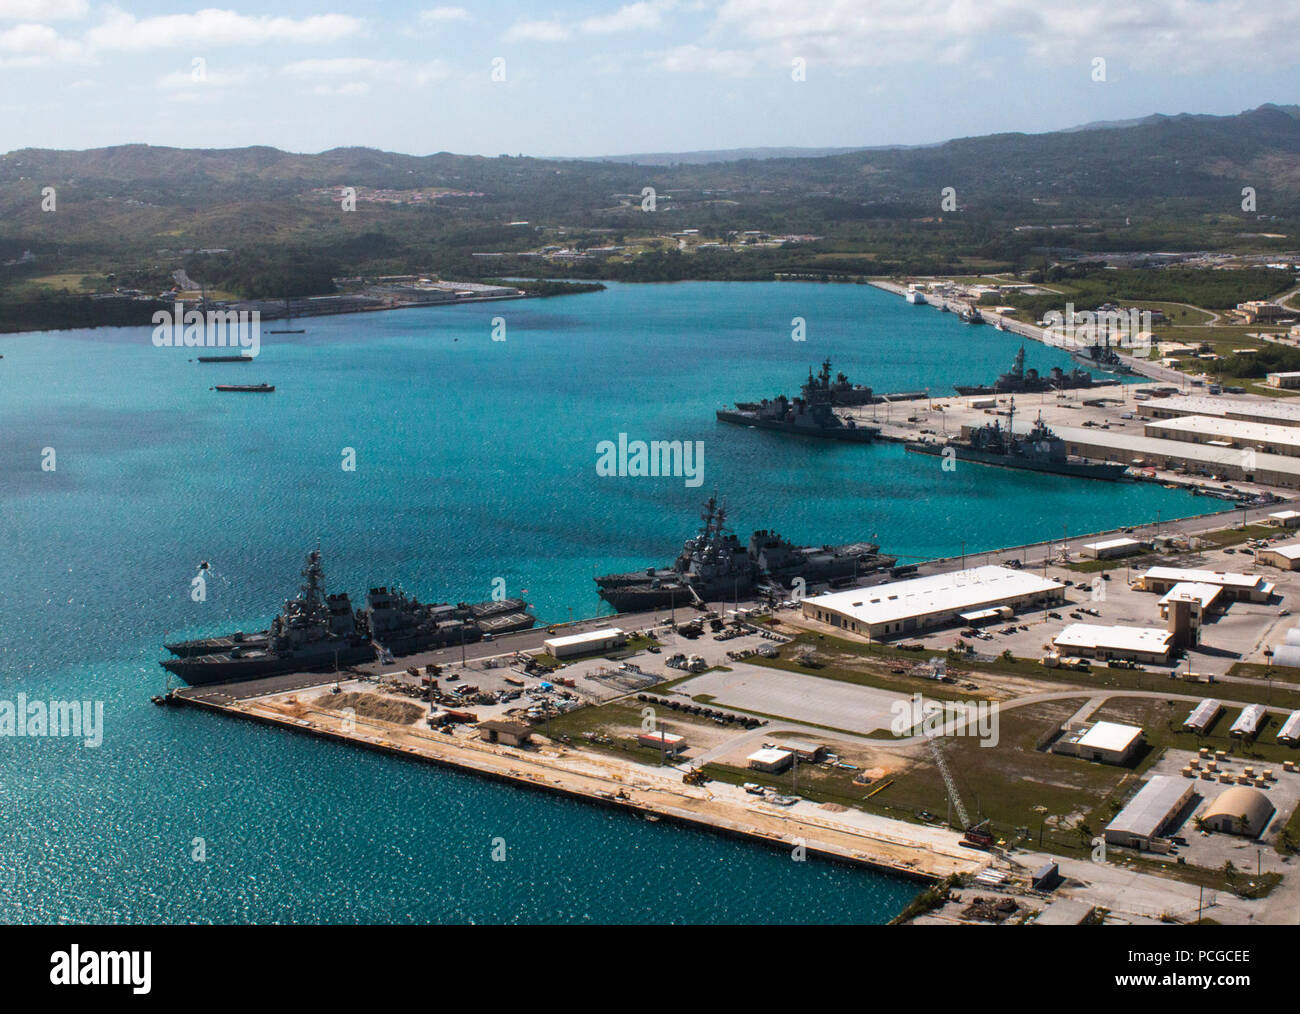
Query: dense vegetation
x=273 y=225
x=1088 y=285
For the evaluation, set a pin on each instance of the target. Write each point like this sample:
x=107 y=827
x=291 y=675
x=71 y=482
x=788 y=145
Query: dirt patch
x=382 y=709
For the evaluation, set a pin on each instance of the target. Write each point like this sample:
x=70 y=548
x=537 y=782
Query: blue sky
x=589 y=78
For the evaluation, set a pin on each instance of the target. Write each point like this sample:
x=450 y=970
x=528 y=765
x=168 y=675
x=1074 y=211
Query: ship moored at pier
x=716 y=565
x=317 y=632
x=1019 y=380
x=1039 y=450
x=812 y=413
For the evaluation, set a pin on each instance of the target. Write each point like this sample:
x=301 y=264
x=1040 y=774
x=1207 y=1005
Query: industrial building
x=1109 y=549
x=666 y=742
x=507 y=733
x=1263 y=311
x=1288 y=379
x=923 y=603
x=1240 y=810
x=1290 y=731
x=1247 y=723
x=1285 y=557
x=1149 y=813
x=770 y=760
x=593 y=641
x=1203 y=715
x=1204 y=597
x=1287 y=656
x=1283 y=519
x=1235 y=587
x=1136 y=644
x=1107 y=742
x=1174 y=455
x=809 y=752
x=1235 y=433
x=1272 y=410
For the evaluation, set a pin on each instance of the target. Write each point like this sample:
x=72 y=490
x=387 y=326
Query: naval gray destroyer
x=812 y=413
x=317 y=632
x=715 y=565
x=1039 y=450
x=1019 y=380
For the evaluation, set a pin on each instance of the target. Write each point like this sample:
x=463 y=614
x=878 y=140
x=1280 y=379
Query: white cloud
x=349 y=88
x=693 y=58
x=1172 y=35
x=433 y=72
x=644 y=16
x=537 y=31
x=443 y=15
x=346 y=66
x=184 y=79
x=42 y=10
x=31 y=45
x=213 y=27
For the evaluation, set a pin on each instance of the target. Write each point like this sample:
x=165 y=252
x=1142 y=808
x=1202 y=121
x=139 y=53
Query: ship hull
x=217 y=645
x=197 y=672
x=1104 y=471
x=985 y=389
x=632 y=599
x=848 y=434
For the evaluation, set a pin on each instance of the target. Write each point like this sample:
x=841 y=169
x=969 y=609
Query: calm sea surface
x=475 y=460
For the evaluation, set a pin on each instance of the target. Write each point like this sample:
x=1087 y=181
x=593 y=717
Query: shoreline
x=879 y=844
x=300 y=313
x=528 y=769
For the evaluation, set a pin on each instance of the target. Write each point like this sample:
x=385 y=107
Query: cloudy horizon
x=592 y=78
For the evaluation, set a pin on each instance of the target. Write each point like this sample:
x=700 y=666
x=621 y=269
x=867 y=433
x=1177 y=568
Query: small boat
x=255 y=388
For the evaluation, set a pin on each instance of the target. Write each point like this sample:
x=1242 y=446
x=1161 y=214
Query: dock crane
x=976 y=835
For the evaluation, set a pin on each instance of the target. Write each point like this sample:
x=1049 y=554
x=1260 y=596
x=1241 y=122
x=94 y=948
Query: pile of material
x=990 y=909
x=383 y=709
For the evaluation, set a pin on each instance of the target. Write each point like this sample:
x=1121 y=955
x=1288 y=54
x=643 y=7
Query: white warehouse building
x=1149 y=813
x=1137 y=644
x=584 y=644
x=924 y=603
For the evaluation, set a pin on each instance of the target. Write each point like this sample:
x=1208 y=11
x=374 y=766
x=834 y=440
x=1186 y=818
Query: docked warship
x=1019 y=380
x=716 y=565
x=1039 y=450
x=318 y=632
x=1103 y=356
x=812 y=413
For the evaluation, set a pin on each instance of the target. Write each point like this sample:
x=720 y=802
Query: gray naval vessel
x=1019 y=380
x=716 y=565
x=812 y=413
x=1039 y=450
x=318 y=632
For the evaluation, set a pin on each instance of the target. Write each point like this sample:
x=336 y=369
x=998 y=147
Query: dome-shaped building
x=1240 y=810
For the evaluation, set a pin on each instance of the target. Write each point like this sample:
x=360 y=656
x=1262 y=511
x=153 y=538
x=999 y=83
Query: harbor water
x=475 y=460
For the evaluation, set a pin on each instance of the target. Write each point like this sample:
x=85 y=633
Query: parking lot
x=800 y=698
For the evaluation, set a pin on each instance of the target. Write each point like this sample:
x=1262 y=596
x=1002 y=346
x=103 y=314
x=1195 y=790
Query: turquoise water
x=475 y=460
